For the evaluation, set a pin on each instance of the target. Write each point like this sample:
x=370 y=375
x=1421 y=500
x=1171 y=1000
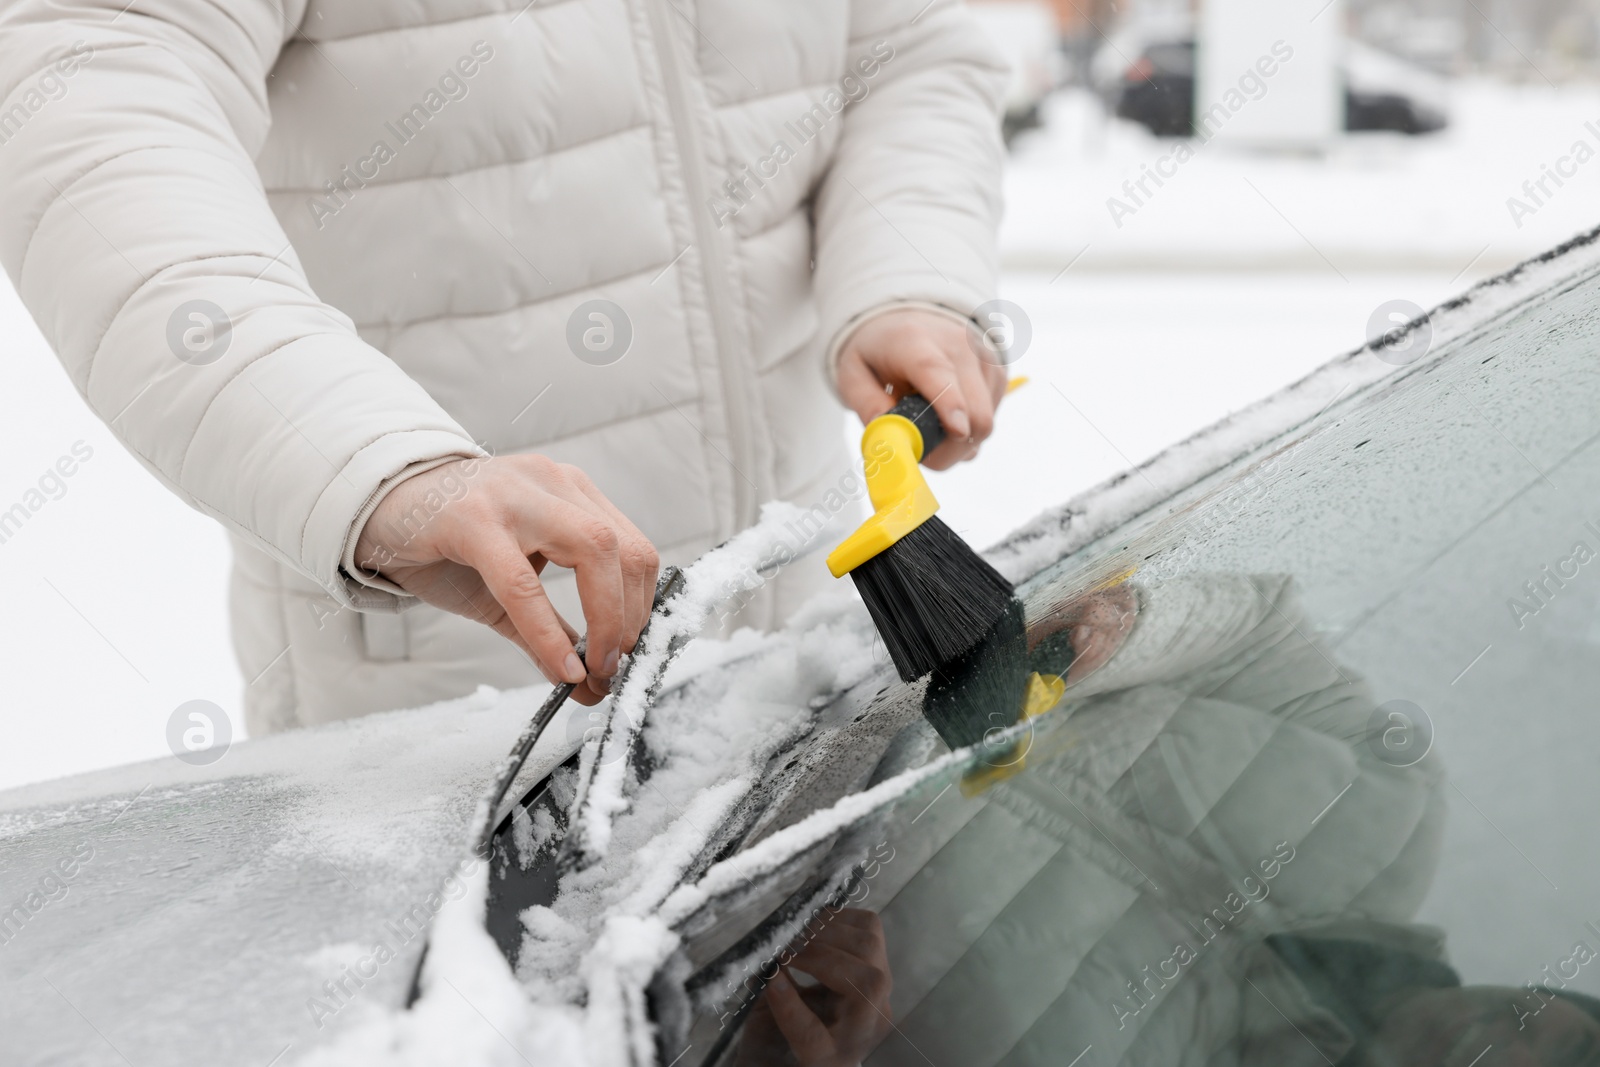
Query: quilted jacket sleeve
x=137 y=232
x=908 y=211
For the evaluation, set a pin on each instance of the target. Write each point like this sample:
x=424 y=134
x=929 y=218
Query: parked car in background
x=1385 y=92
x=1153 y=84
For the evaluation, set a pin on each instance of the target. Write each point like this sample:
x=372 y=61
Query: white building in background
x=1268 y=73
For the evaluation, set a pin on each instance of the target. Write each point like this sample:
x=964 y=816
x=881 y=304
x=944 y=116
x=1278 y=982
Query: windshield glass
x=1296 y=786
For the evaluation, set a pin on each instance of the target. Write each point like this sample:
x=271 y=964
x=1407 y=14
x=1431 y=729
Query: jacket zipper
x=718 y=298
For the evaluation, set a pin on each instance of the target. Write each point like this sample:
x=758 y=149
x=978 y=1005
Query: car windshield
x=1281 y=772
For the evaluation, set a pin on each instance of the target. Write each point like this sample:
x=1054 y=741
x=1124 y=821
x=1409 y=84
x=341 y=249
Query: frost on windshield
x=1288 y=808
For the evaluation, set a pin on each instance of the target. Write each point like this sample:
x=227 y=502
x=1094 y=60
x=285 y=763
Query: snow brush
x=930 y=595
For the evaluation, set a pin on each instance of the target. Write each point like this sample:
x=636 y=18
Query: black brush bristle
x=931 y=596
x=982 y=689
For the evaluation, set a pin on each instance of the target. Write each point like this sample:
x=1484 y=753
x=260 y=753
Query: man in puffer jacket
x=417 y=299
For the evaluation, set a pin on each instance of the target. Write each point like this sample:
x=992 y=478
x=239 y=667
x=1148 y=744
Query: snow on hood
x=220 y=902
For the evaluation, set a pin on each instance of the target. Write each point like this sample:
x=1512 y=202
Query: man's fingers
x=806 y=1034
x=524 y=511
x=931 y=371
x=566 y=627
x=571 y=531
x=640 y=564
x=600 y=589
x=864 y=941
x=973 y=395
x=515 y=586
x=945 y=361
x=860 y=388
x=470 y=598
x=843 y=972
x=587 y=694
x=975 y=390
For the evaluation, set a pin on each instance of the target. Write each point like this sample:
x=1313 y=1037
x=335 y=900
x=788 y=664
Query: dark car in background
x=1381 y=92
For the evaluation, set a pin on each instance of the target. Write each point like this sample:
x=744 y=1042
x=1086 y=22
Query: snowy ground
x=1380 y=202
x=1242 y=275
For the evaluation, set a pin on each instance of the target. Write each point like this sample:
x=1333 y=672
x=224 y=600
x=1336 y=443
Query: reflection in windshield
x=837 y=1010
x=1217 y=860
x=1228 y=838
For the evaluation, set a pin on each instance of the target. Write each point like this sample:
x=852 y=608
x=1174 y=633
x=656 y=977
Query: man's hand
x=837 y=1022
x=909 y=350
x=472 y=537
x=1098 y=623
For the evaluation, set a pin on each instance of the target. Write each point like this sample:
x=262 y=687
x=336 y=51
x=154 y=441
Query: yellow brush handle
x=891 y=447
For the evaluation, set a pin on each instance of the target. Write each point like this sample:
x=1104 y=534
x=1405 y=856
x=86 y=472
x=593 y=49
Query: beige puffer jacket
x=292 y=250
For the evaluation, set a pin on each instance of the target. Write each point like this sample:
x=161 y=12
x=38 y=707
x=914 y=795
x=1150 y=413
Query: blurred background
x=1205 y=201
